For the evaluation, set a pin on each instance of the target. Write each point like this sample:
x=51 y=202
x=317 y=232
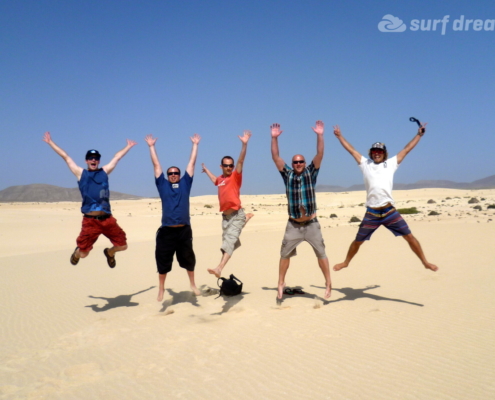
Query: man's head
x=93 y=159
x=378 y=152
x=173 y=174
x=298 y=164
x=227 y=165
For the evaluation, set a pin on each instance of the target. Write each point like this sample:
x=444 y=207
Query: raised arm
x=276 y=132
x=74 y=168
x=320 y=143
x=194 y=154
x=353 y=152
x=240 y=161
x=116 y=158
x=412 y=144
x=207 y=172
x=154 y=157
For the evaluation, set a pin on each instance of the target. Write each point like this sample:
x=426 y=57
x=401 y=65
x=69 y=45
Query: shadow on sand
x=185 y=296
x=285 y=296
x=351 y=294
x=124 y=300
x=230 y=302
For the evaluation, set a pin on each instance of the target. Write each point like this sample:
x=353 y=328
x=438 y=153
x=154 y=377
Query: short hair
x=227 y=157
x=169 y=168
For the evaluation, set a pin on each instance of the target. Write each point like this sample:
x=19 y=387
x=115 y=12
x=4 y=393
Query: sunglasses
x=298 y=162
x=93 y=158
x=228 y=165
x=173 y=173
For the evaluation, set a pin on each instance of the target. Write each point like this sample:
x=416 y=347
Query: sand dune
x=391 y=330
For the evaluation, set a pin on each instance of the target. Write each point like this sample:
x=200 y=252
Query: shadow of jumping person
x=230 y=302
x=123 y=300
x=351 y=294
x=182 y=297
x=286 y=296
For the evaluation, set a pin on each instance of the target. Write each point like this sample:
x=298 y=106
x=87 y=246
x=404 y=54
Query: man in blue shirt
x=300 y=181
x=98 y=219
x=175 y=234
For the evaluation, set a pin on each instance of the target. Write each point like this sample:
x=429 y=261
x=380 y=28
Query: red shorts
x=93 y=228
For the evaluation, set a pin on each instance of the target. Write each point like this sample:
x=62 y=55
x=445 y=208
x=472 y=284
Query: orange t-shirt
x=229 y=191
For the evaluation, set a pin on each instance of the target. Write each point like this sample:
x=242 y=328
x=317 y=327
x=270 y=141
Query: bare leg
x=323 y=263
x=161 y=286
x=416 y=248
x=282 y=271
x=81 y=254
x=218 y=270
x=195 y=290
x=353 y=249
x=115 y=249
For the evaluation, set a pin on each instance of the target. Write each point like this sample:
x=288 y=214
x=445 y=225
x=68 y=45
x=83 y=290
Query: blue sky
x=94 y=73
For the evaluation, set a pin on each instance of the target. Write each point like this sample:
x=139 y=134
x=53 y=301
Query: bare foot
x=215 y=272
x=160 y=294
x=433 y=267
x=328 y=292
x=195 y=290
x=280 y=291
x=338 y=267
x=248 y=217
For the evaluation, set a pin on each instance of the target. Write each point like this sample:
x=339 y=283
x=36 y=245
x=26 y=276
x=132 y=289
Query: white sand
x=391 y=330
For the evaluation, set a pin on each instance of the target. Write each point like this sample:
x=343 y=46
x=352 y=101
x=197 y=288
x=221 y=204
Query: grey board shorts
x=232 y=225
x=296 y=233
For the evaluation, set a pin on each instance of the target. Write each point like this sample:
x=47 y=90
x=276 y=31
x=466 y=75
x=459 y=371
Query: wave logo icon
x=389 y=23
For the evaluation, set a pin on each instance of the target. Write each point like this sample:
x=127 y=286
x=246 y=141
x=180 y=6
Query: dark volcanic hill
x=40 y=192
x=485 y=183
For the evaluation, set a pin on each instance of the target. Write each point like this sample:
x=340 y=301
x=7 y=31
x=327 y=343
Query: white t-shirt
x=379 y=181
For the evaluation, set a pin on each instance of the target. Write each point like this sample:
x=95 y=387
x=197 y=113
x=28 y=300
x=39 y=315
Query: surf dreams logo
x=390 y=24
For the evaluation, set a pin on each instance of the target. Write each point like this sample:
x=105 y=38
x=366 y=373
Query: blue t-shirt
x=175 y=200
x=95 y=192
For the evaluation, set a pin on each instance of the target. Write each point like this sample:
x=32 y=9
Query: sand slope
x=390 y=330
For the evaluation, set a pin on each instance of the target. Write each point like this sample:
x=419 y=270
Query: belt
x=304 y=222
x=98 y=217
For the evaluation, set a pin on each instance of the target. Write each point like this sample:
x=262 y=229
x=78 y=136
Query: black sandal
x=73 y=259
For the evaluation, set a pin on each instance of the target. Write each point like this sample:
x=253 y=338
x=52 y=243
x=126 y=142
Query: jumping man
x=378 y=173
x=97 y=218
x=175 y=234
x=233 y=217
x=300 y=181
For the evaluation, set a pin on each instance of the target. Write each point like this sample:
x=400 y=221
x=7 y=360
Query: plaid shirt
x=300 y=190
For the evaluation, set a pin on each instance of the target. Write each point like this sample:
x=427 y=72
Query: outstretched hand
x=422 y=128
x=131 y=143
x=275 y=130
x=150 y=140
x=320 y=127
x=203 y=168
x=336 y=131
x=195 y=138
x=245 y=137
x=47 y=137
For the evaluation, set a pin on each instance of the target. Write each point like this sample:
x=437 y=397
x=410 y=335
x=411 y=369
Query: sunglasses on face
x=93 y=158
x=173 y=173
x=228 y=165
x=298 y=162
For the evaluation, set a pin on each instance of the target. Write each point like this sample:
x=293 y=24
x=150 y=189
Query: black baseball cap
x=93 y=153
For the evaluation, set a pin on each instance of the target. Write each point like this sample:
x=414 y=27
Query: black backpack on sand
x=230 y=287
